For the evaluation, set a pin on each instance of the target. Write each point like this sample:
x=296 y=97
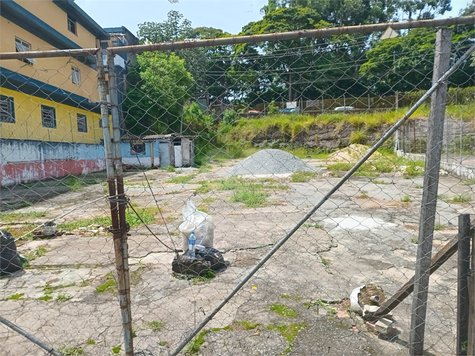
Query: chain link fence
x=278 y=152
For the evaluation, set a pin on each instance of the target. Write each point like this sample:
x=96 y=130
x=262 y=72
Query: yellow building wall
x=28 y=125
x=54 y=71
x=58 y=19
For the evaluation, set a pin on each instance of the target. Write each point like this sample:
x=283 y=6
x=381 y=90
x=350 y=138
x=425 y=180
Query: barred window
x=82 y=123
x=76 y=75
x=48 y=116
x=22 y=46
x=7 y=109
x=137 y=148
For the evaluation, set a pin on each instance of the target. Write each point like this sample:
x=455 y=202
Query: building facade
x=49 y=110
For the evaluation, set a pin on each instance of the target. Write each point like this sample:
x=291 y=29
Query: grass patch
x=205 y=168
x=155 y=325
x=406 y=199
x=461 y=199
x=108 y=285
x=250 y=197
x=63 y=297
x=388 y=163
x=358 y=137
x=302 y=177
x=302 y=152
x=414 y=240
x=116 y=350
x=439 y=227
x=147 y=215
x=315 y=225
x=205 y=276
x=469 y=181
x=283 y=310
x=209 y=200
x=32 y=255
x=321 y=303
x=49 y=289
x=194 y=346
x=251 y=193
x=325 y=261
x=375 y=181
x=15 y=296
x=458 y=199
x=413 y=169
x=205 y=187
x=45 y=298
x=244 y=325
x=90 y=342
x=289 y=332
x=71 y=350
x=20 y=217
x=74 y=183
x=181 y=179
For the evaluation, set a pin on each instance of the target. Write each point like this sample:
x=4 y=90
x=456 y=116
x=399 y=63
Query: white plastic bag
x=199 y=222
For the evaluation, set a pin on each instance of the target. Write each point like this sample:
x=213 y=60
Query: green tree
x=201 y=125
x=274 y=70
x=159 y=85
x=198 y=61
x=174 y=28
x=405 y=63
x=356 y=12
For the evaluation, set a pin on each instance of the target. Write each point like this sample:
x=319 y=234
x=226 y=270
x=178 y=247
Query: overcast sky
x=228 y=15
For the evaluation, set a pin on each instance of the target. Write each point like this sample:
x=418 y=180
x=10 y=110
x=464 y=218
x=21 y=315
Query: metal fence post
x=462 y=283
x=117 y=198
x=429 y=196
x=471 y=298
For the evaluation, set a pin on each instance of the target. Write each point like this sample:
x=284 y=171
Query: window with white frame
x=7 y=109
x=76 y=75
x=72 y=26
x=22 y=46
x=48 y=116
x=82 y=123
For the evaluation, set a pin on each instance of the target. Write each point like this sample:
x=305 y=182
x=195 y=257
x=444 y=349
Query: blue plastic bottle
x=191 y=245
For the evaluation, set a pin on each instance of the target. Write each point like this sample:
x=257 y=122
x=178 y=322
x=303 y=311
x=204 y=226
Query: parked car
x=344 y=108
x=289 y=111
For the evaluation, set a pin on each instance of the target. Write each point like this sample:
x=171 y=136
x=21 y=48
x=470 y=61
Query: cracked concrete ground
x=295 y=304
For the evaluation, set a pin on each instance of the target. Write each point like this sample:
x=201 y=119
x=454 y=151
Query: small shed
x=158 y=150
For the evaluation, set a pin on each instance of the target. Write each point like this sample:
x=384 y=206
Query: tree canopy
x=161 y=84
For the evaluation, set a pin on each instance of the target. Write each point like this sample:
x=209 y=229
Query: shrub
x=358 y=137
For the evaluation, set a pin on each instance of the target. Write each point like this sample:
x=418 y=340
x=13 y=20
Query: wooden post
x=462 y=283
x=429 y=195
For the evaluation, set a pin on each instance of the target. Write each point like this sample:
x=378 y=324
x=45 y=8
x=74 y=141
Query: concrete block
x=383 y=326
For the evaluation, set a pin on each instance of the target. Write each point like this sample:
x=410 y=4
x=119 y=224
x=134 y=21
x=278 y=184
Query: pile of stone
x=270 y=161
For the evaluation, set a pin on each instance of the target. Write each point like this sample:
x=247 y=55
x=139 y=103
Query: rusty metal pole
x=117 y=197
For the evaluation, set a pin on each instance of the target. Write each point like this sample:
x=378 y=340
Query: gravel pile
x=270 y=162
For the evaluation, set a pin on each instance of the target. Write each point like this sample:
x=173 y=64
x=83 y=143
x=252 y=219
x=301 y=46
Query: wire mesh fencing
x=253 y=146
